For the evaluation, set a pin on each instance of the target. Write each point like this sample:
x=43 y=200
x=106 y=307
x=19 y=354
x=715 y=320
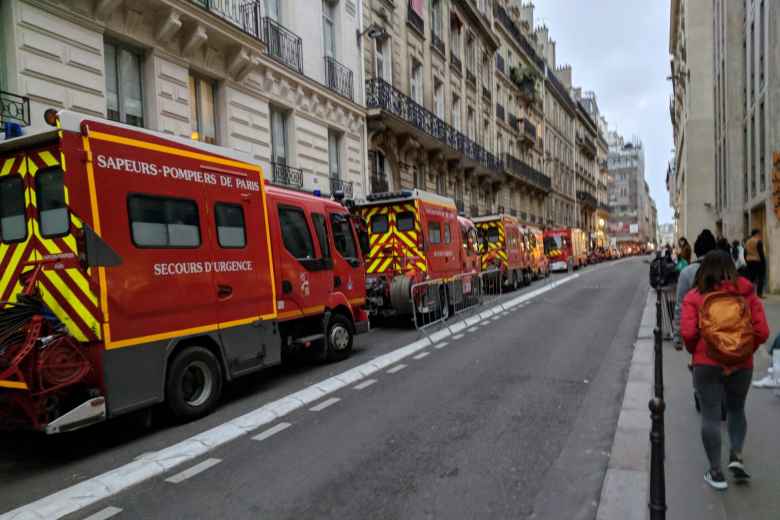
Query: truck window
x=163 y=222
x=493 y=235
x=13 y=224
x=405 y=221
x=474 y=236
x=53 y=216
x=231 y=232
x=322 y=233
x=447 y=235
x=342 y=236
x=434 y=233
x=295 y=233
x=464 y=237
x=379 y=224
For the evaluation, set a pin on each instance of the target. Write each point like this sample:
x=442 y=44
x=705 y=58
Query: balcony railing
x=500 y=111
x=283 y=45
x=456 y=63
x=438 y=44
x=287 y=175
x=518 y=35
x=338 y=78
x=473 y=210
x=514 y=123
x=339 y=185
x=528 y=132
x=379 y=183
x=471 y=78
x=587 y=199
x=587 y=145
x=414 y=19
x=380 y=94
x=499 y=62
x=14 y=109
x=527 y=172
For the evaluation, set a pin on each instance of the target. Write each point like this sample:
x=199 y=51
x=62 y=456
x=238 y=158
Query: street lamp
x=373 y=31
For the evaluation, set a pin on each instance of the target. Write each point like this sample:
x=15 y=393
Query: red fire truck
x=470 y=259
x=413 y=237
x=565 y=247
x=540 y=265
x=504 y=248
x=140 y=268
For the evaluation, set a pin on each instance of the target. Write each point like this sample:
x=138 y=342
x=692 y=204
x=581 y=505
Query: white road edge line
x=112 y=482
x=365 y=384
x=272 y=431
x=441 y=345
x=421 y=355
x=324 y=404
x=104 y=514
x=194 y=470
x=396 y=368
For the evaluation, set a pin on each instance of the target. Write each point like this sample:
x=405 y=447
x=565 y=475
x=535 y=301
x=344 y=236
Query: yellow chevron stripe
x=48 y=158
x=6 y=169
x=74 y=275
x=74 y=303
x=372 y=268
x=12 y=265
x=383 y=268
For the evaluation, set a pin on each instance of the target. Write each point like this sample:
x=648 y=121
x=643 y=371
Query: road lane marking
x=104 y=514
x=441 y=345
x=324 y=404
x=473 y=329
x=110 y=483
x=396 y=368
x=194 y=470
x=421 y=355
x=365 y=384
x=272 y=431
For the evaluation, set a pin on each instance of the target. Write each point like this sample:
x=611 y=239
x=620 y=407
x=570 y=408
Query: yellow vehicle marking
x=7 y=164
x=48 y=158
x=16 y=385
x=386 y=263
x=74 y=274
x=357 y=301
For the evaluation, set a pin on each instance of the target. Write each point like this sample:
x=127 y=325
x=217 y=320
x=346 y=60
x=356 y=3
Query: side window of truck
x=322 y=233
x=447 y=234
x=295 y=233
x=163 y=222
x=231 y=232
x=13 y=224
x=405 y=221
x=434 y=232
x=342 y=236
x=53 y=217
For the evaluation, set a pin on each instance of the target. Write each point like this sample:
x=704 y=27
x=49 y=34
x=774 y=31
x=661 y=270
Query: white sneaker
x=766 y=382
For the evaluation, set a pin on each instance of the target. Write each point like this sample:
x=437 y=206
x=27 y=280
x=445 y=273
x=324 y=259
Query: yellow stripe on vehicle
x=16 y=385
x=6 y=169
x=384 y=266
x=47 y=157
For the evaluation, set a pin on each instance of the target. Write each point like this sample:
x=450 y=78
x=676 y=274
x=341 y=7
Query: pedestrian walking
x=723 y=324
x=704 y=243
x=683 y=254
x=756 y=261
x=738 y=255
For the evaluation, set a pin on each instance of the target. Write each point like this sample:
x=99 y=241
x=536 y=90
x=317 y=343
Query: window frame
x=404 y=213
x=197 y=106
x=351 y=236
x=163 y=198
x=118 y=48
x=376 y=217
x=18 y=177
x=38 y=199
x=431 y=225
x=324 y=241
x=283 y=117
x=301 y=211
x=335 y=136
x=217 y=226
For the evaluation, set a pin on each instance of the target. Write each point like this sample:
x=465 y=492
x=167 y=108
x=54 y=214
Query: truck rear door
x=381 y=256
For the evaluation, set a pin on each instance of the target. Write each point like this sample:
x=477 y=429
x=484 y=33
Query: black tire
x=193 y=384
x=339 y=338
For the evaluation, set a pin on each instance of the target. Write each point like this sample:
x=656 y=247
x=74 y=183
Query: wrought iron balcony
x=339 y=185
x=285 y=175
x=414 y=19
x=380 y=94
x=438 y=44
x=526 y=172
x=517 y=34
x=244 y=14
x=587 y=199
x=455 y=63
x=587 y=145
x=283 y=45
x=514 y=123
x=379 y=183
x=338 y=78
x=14 y=109
x=499 y=62
x=528 y=133
x=500 y=111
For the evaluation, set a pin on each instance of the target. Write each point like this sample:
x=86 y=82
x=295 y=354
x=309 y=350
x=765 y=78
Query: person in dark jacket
x=714 y=380
x=756 y=261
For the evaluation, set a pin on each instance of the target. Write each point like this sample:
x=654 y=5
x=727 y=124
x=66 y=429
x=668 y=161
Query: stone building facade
x=632 y=219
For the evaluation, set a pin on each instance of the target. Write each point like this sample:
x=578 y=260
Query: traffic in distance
x=126 y=250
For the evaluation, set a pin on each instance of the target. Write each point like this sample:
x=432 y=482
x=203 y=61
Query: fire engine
x=413 y=237
x=540 y=265
x=504 y=248
x=140 y=268
x=565 y=247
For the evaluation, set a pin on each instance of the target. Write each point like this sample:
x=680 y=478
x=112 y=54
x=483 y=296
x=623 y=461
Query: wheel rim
x=197 y=383
x=339 y=337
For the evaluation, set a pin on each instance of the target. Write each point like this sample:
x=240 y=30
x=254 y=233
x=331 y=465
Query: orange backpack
x=726 y=327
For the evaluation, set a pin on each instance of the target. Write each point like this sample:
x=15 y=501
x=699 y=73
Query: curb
x=625 y=491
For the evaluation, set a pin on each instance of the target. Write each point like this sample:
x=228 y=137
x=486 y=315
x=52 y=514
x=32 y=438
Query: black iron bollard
x=657 y=478
x=658 y=347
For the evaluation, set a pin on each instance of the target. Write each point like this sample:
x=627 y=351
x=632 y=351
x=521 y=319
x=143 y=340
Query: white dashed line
x=272 y=431
x=365 y=384
x=396 y=368
x=324 y=404
x=457 y=336
x=440 y=345
x=104 y=514
x=194 y=470
x=421 y=355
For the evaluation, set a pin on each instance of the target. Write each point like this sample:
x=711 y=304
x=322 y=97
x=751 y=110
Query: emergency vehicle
x=565 y=247
x=504 y=247
x=414 y=236
x=540 y=265
x=140 y=268
x=470 y=259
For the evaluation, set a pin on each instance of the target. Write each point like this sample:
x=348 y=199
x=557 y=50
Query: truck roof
x=491 y=218
x=302 y=196
x=376 y=199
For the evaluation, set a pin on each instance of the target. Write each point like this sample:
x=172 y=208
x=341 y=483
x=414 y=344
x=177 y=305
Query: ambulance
x=413 y=236
x=540 y=265
x=140 y=268
x=565 y=248
x=504 y=248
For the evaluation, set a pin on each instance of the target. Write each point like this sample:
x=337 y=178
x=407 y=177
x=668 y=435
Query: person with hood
x=717 y=376
x=704 y=243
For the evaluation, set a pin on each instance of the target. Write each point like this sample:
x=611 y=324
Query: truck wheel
x=194 y=383
x=338 y=338
x=515 y=282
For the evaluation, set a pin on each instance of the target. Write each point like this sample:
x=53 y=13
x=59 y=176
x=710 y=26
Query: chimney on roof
x=564 y=74
x=527 y=14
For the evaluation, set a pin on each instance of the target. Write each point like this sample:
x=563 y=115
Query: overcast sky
x=620 y=50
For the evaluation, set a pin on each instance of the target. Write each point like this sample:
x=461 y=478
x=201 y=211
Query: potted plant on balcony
x=526 y=80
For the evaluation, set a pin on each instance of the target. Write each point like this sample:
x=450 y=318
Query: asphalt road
x=513 y=420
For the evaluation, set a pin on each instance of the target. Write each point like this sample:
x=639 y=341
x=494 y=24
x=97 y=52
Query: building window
x=202 y=109
x=416 y=82
x=762 y=146
x=455 y=38
x=272 y=10
x=124 y=93
x=436 y=18
x=456 y=113
x=278 y=136
x=383 y=60
x=471 y=53
x=471 y=124
x=334 y=161
x=438 y=98
x=329 y=28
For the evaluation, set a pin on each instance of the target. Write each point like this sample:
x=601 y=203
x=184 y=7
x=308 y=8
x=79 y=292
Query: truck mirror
x=99 y=253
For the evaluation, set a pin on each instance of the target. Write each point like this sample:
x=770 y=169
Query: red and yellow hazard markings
x=392 y=250
x=65 y=292
x=495 y=250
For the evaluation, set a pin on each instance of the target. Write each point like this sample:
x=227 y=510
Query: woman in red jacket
x=714 y=381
